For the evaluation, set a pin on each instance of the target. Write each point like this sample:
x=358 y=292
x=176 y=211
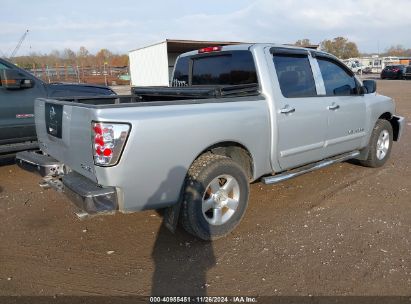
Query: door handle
x=287 y=109
x=333 y=107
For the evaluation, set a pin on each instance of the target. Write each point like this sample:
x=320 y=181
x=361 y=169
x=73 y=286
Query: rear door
x=301 y=113
x=17 y=110
x=345 y=107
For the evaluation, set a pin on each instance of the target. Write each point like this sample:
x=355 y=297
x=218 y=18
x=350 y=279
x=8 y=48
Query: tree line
x=68 y=57
x=343 y=48
x=339 y=46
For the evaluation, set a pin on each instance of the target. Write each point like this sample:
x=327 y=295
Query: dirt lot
x=344 y=230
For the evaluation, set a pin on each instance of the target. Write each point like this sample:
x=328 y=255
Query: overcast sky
x=124 y=25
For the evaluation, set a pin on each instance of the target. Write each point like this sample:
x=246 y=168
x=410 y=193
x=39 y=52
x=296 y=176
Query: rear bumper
x=44 y=165
x=89 y=196
x=83 y=192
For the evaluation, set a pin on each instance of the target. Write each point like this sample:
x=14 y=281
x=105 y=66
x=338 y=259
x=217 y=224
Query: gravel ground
x=343 y=230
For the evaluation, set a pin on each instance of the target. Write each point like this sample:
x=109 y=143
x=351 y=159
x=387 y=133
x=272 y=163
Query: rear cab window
x=219 y=68
x=294 y=75
x=181 y=72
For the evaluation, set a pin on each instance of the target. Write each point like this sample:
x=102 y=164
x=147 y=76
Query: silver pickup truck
x=233 y=115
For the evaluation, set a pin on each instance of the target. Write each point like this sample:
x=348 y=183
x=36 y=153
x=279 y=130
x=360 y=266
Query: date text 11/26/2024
x=203 y=299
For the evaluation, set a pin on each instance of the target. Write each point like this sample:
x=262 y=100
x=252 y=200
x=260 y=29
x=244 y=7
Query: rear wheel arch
x=233 y=150
x=237 y=152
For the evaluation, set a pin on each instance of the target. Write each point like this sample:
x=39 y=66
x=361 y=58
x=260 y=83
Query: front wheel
x=380 y=144
x=215 y=197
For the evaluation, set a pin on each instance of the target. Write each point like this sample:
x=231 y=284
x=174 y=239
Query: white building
x=153 y=65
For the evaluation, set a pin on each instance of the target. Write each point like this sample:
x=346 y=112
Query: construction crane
x=19 y=44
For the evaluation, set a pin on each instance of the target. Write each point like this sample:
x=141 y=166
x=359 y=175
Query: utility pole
x=105 y=73
x=379 y=58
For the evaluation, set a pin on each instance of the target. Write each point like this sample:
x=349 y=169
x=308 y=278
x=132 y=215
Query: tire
x=380 y=145
x=208 y=211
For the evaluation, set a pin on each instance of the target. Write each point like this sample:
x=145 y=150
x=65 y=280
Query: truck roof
x=249 y=46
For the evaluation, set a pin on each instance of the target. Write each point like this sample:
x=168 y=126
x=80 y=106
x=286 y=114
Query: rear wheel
x=380 y=144
x=215 y=197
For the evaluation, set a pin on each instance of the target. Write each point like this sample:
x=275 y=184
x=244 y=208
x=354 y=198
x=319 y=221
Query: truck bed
x=161 y=94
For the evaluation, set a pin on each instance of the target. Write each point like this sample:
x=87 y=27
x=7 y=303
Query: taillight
x=210 y=49
x=108 y=142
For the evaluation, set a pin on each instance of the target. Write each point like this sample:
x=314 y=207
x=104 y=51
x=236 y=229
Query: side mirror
x=14 y=80
x=370 y=86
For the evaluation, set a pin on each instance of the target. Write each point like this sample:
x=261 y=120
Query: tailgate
x=64 y=132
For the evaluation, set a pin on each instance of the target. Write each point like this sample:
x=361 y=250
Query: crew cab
x=18 y=90
x=234 y=115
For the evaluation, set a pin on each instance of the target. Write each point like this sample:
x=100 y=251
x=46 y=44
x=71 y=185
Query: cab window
x=295 y=75
x=337 y=80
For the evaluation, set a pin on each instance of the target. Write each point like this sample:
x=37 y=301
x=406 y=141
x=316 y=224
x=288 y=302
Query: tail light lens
x=108 y=142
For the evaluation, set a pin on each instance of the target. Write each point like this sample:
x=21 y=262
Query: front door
x=346 y=108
